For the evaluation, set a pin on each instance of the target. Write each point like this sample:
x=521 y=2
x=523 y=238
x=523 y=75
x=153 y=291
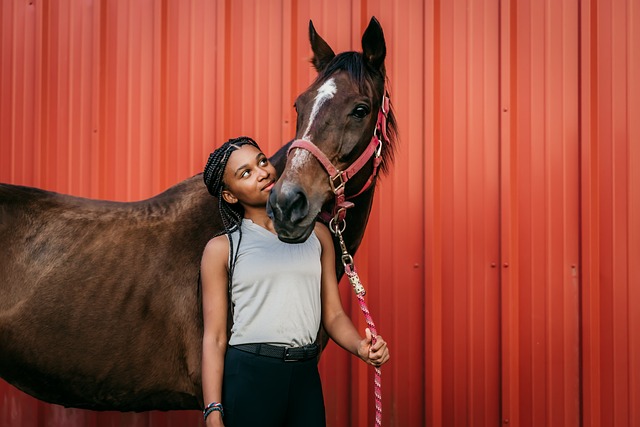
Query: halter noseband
x=338 y=179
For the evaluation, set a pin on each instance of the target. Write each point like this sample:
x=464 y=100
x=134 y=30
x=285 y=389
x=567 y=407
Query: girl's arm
x=214 y=277
x=336 y=322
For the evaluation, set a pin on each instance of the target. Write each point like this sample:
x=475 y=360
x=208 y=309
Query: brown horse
x=99 y=301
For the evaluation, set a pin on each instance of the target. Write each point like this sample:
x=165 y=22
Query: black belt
x=288 y=354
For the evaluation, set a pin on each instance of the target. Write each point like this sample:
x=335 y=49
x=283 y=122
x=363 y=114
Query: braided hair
x=213 y=175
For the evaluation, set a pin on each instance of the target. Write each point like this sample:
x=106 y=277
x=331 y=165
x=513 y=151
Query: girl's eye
x=264 y=161
x=244 y=174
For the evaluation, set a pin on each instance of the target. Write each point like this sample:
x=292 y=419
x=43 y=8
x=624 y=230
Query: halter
x=338 y=179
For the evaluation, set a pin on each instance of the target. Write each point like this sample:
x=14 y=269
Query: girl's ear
x=229 y=197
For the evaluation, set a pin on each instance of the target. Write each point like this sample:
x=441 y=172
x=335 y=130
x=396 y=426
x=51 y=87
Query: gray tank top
x=275 y=292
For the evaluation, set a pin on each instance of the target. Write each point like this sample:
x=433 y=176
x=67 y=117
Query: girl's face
x=248 y=177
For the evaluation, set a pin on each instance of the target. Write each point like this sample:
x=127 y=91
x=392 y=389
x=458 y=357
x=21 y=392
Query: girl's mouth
x=269 y=186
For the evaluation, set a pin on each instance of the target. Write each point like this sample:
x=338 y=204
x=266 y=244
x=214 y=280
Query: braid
x=213 y=175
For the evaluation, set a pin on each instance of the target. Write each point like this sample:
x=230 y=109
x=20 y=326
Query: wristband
x=212 y=407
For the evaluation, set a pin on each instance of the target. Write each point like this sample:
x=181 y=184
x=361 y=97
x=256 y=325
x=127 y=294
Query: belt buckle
x=287 y=356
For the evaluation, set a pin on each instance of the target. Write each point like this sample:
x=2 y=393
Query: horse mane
x=368 y=80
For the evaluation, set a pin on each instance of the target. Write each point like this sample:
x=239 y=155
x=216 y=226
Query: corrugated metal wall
x=501 y=255
x=461 y=170
x=540 y=213
x=610 y=205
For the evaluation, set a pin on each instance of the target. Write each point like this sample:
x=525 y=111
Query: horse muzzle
x=289 y=208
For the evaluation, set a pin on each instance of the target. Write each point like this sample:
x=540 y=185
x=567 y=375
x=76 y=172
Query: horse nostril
x=299 y=207
x=273 y=210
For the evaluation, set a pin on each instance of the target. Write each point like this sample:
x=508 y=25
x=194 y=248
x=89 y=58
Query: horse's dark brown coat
x=99 y=299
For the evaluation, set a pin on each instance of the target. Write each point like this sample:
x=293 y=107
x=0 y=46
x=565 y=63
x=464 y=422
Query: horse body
x=79 y=262
x=99 y=300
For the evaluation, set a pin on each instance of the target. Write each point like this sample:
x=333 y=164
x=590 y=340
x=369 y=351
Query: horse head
x=343 y=118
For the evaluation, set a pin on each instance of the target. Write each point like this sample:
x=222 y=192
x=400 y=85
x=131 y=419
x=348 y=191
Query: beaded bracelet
x=211 y=407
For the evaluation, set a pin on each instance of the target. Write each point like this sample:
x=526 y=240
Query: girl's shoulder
x=216 y=247
x=322 y=232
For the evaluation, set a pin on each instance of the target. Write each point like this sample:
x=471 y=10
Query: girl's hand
x=374 y=354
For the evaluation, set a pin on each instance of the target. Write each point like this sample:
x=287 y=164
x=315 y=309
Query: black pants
x=267 y=392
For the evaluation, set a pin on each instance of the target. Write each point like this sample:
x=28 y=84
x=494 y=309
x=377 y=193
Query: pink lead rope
x=377 y=378
x=350 y=271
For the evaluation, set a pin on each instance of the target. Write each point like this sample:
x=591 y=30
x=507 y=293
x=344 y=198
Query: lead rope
x=352 y=274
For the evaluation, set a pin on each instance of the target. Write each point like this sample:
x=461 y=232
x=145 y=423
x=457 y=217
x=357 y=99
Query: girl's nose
x=263 y=173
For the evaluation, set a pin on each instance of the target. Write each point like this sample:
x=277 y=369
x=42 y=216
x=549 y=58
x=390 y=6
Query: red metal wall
x=539 y=186
x=610 y=205
x=501 y=255
x=460 y=172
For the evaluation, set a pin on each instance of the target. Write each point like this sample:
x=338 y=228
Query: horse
x=100 y=305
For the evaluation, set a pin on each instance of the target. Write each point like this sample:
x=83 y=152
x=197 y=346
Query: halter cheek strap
x=338 y=179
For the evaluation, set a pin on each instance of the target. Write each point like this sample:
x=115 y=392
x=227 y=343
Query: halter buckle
x=341 y=183
x=384 y=106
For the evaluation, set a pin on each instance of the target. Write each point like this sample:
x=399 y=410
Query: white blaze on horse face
x=325 y=92
x=299 y=158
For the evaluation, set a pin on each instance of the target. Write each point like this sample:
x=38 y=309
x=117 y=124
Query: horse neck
x=357 y=219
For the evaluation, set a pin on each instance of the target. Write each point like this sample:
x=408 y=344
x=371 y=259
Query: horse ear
x=374 y=49
x=322 y=53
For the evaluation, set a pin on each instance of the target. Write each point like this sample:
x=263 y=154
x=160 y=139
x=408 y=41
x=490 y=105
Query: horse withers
x=99 y=301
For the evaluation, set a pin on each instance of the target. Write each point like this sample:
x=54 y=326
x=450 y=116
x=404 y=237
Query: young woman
x=265 y=374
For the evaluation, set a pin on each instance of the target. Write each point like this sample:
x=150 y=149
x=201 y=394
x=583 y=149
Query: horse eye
x=360 y=112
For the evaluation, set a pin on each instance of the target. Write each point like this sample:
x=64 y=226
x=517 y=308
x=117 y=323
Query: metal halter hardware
x=338 y=179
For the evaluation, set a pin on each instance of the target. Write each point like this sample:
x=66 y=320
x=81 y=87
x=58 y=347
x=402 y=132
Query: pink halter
x=338 y=179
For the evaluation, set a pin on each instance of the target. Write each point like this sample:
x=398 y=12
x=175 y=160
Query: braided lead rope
x=337 y=227
x=377 y=378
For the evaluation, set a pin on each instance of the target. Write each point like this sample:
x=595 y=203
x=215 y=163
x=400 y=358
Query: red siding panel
x=500 y=257
x=461 y=173
x=610 y=195
x=540 y=174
